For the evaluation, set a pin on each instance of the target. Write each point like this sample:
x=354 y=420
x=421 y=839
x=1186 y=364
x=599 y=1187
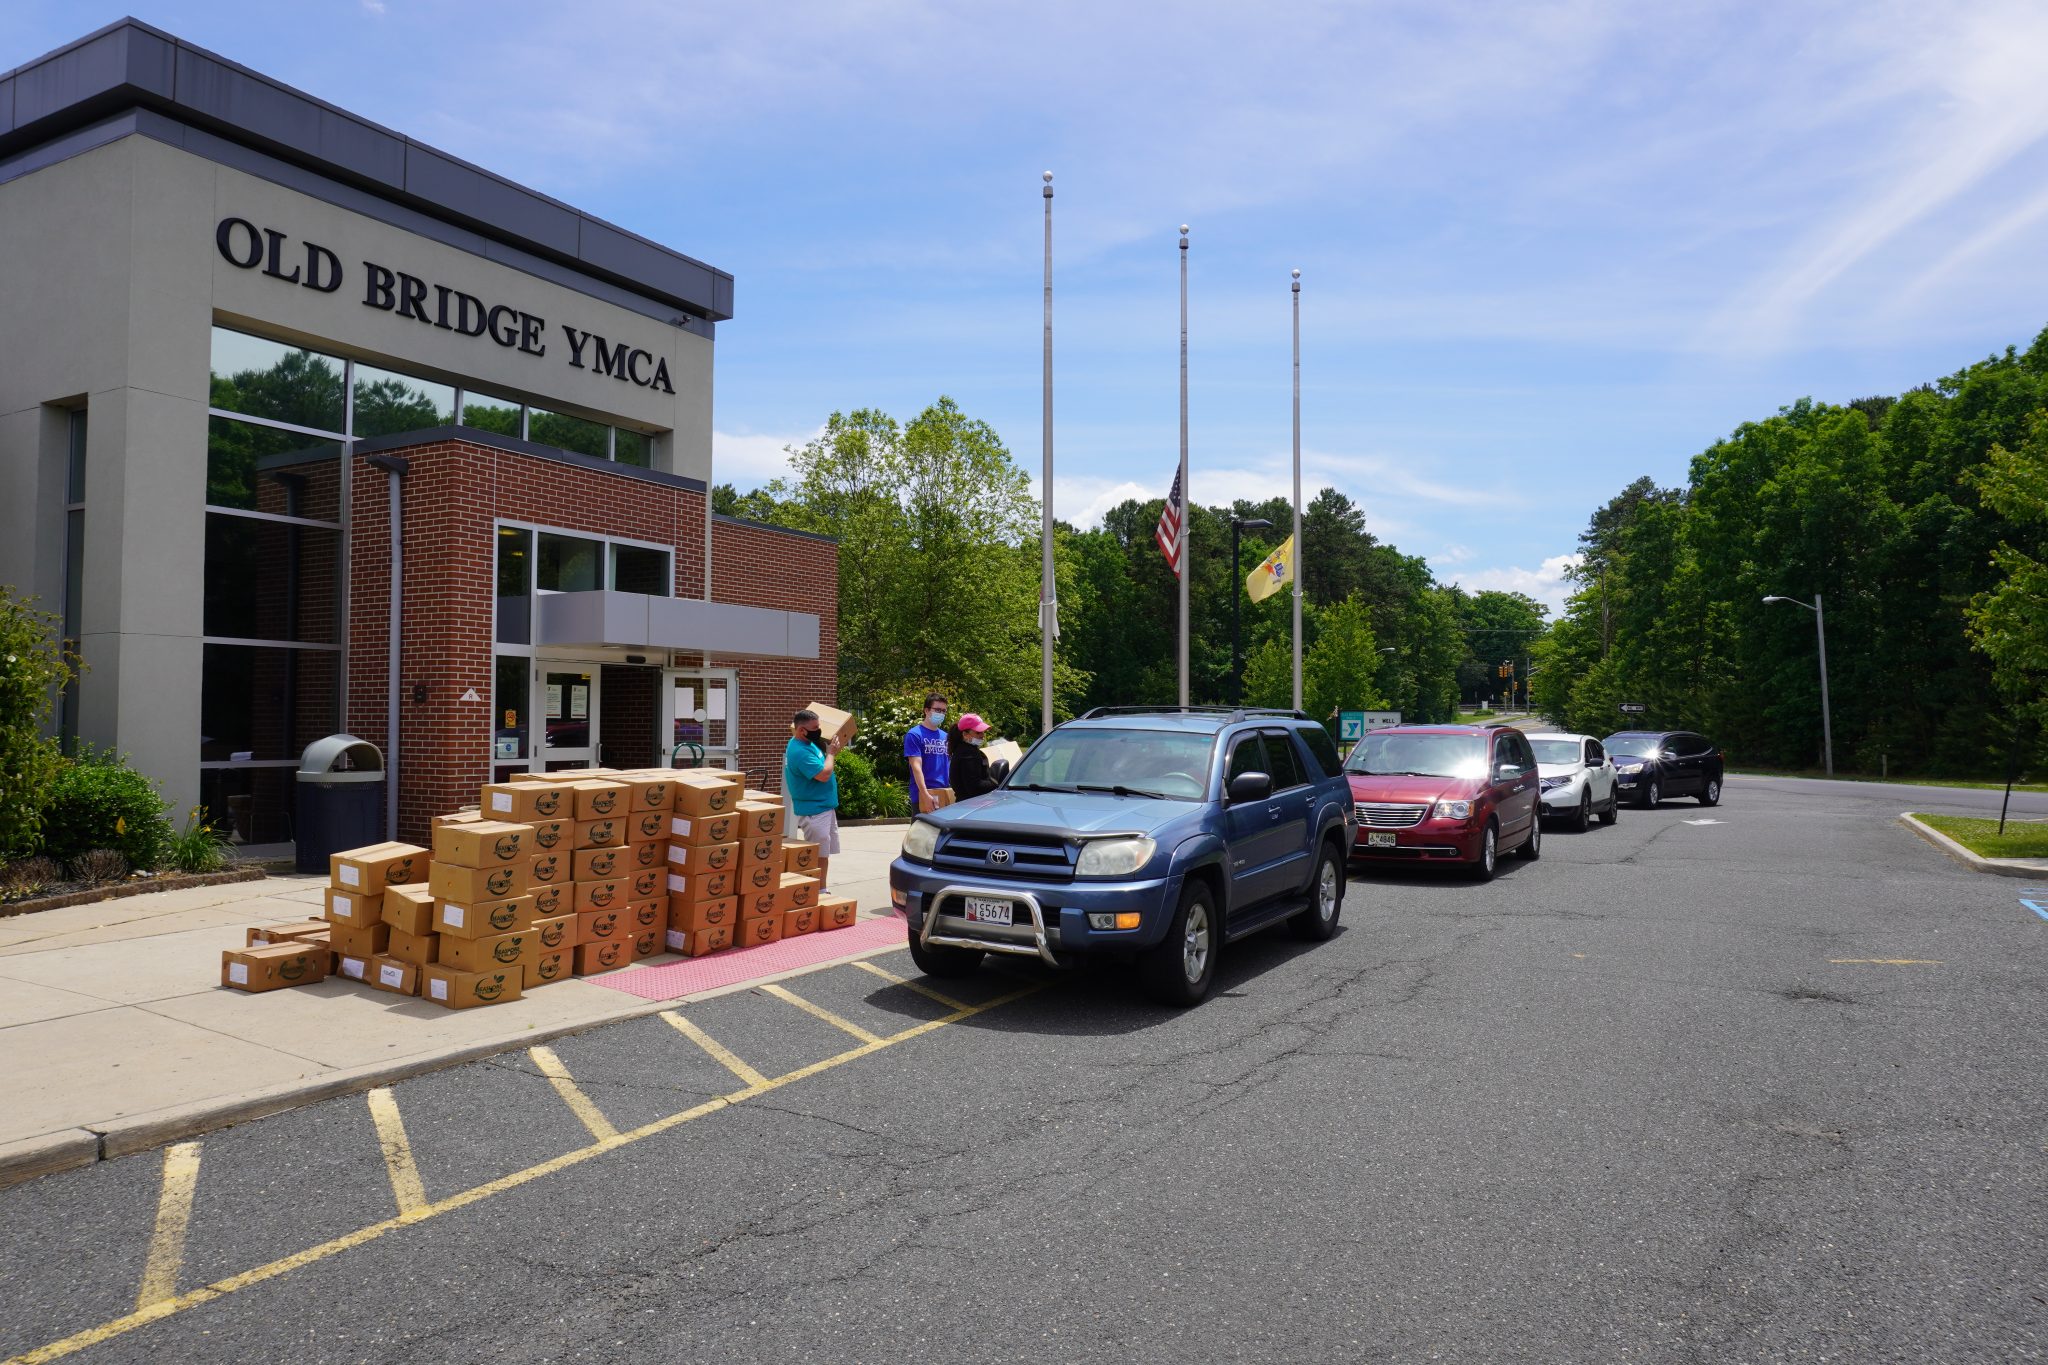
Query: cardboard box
x=760 y=876
x=799 y=855
x=836 y=912
x=547 y=967
x=756 y=930
x=368 y=870
x=942 y=797
x=422 y=950
x=467 y=990
x=755 y=903
x=702 y=857
x=600 y=799
x=703 y=886
x=307 y=931
x=798 y=891
x=804 y=921
x=347 y=907
x=649 y=791
x=834 y=723
x=410 y=908
x=552 y=834
x=557 y=899
x=395 y=975
x=694 y=916
x=646 y=826
x=458 y=817
x=556 y=931
x=609 y=894
x=756 y=794
x=645 y=883
x=489 y=954
x=601 y=926
x=1003 y=750
x=272 y=966
x=485 y=843
x=610 y=955
x=367 y=941
x=645 y=914
x=456 y=882
x=597 y=833
x=550 y=866
x=702 y=941
x=648 y=942
x=350 y=967
x=527 y=802
x=481 y=919
x=599 y=864
x=762 y=848
x=760 y=817
x=701 y=797
x=704 y=829
x=647 y=853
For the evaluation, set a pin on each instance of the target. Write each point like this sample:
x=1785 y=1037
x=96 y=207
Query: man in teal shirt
x=811 y=784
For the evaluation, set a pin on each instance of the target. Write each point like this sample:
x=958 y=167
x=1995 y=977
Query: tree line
x=1921 y=520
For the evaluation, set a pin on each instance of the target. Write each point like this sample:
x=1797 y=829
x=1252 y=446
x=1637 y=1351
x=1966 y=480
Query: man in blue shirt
x=811 y=784
x=924 y=748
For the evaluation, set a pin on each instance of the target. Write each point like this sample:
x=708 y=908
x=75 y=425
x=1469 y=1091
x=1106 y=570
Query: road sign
x=1351 y=725
x=1632 y=708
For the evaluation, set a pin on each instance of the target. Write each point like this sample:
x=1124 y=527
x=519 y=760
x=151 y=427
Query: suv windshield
x=1559 y=751
x=1169 y=763
x=1633 y=746
x=1393 y=754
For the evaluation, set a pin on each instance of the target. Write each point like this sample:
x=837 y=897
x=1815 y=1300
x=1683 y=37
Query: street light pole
x=1048 y=606
x=1187 y=502
x=1827 y=720
x=1237 y=605
x=1297 y=490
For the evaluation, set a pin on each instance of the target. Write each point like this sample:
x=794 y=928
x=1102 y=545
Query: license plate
x=982 y=910
x=1379 y=839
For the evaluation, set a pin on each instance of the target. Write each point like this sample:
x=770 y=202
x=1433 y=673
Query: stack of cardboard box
x=278 y=955
x=703 y=861
x=763 y=900
x=358 y=881
x=483 y=914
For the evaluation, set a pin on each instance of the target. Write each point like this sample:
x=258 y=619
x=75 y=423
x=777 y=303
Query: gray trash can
x=341 y=799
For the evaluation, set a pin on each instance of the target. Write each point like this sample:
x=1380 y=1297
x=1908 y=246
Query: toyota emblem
x=999 y=856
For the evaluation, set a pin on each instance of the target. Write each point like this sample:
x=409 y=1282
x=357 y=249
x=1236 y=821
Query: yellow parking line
x=405 y=1173
x=565 y=1085
x=820 y=1012
x=718 y=1050
x=219 y=1289
x=926 y=991
x=173 y=1217
x=1887 y=962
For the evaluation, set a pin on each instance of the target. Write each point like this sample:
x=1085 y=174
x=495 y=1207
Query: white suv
x=1578 y=779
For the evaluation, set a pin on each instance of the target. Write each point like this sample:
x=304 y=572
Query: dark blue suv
x=1153 y=835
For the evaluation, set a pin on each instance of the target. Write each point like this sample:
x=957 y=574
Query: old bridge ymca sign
x=312 y=266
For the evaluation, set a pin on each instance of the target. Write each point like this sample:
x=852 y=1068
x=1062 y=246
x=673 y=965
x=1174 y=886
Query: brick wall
x=759 y=566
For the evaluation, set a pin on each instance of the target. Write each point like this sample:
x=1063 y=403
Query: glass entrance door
x=568 y=717
x=700 y=718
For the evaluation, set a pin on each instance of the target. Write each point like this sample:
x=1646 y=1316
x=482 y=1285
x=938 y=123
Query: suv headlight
x=1113 y=857
x=920 y=841
x=1454 y=810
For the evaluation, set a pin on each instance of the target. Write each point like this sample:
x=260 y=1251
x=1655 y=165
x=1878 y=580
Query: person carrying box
x=924 y=748
x=811 y=783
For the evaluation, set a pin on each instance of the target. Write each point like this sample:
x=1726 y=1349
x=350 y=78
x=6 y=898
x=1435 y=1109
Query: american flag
x=1168 y=534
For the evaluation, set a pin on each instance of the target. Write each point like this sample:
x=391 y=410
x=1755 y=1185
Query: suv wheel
x=943 y=961
x=1710 y=795
x=1181 y=969
x=1583 y=821
x=1325 y=899
x=1652 y=794
x=1488 y=862
x=1613 y=811
x=1532 y=847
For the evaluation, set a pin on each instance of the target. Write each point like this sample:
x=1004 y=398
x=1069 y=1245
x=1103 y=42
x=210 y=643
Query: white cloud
x=1452 y=554
x=746 y=460
x=373 y=6
x=1547 y=584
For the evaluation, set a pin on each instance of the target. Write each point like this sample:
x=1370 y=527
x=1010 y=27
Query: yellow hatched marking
x=173 y=1217
x=820 y=1012
x=1887 y=962
x=926 y=991
x=572 y=1095
x=723 y=1054
x=220 y=1289
x=405 y=1173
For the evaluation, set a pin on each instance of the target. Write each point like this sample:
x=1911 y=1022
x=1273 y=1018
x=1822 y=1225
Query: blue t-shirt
x=930 y=745
x=802 y=761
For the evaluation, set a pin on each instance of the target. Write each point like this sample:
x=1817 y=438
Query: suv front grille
x=1389 y=814
x=1029 y=855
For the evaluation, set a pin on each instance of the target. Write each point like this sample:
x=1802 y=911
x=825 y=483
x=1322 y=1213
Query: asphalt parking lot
x=1765 y=1088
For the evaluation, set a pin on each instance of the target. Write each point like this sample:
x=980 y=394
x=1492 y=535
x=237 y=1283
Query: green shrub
x=883 y=725
x=101 y=802
x=26 y=877
x=98 y=867
x=202 y=847
x=863 y=795
x=34 y=668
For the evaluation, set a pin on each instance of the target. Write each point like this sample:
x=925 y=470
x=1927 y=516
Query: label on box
x=501 y=801
x=353 y=968
x=349 y=875
x=677 y=939
x=438 y=988
x=452 y=914
x=390 y=975
x=677 y=884
x=679 y=853
x=238 y=972
x=679 y=825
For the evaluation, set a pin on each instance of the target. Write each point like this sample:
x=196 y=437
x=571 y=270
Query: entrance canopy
x=608 y=619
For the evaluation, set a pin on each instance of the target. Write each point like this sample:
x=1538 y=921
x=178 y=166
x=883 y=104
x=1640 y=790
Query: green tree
x=1340 y=671
x=2009 y=621
x=35 y=667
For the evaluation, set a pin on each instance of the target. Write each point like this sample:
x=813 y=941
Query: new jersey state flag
x=1273 y=575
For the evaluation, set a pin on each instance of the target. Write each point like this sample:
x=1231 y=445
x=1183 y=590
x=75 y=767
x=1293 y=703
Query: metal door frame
x=726 y=756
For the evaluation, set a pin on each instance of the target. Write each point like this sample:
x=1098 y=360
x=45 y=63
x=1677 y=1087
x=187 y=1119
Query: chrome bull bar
x=1038 y=947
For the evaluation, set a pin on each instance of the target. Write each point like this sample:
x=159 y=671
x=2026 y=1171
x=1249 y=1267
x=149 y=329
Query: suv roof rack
x=1234 y=712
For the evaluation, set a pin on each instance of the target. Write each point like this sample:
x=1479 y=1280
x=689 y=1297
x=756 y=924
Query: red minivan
x=1448 y=793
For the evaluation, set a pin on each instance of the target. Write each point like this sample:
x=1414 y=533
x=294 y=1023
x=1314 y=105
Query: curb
x=1976 y=862
x=117 y=891
x=70 y=1148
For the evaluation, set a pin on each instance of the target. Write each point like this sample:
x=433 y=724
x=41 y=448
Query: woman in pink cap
x=967 y=764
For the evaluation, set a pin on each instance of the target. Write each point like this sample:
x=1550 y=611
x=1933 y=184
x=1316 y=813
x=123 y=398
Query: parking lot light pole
x=1237 y=606
x=1820 y=626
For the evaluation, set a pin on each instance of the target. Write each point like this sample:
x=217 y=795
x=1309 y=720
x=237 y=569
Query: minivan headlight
x=920 y=841
x=1113 y=857
x=1454 y=810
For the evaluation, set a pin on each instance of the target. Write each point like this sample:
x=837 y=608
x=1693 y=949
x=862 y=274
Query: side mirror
x=1506 y=772
x=1000 y=770
x=1251 y=787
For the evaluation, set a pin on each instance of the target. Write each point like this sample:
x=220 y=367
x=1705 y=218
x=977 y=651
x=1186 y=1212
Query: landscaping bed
x=2026 y=838
x=63 y=894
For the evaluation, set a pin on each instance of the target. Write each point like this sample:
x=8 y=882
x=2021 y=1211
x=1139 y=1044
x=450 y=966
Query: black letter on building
x=610 y=360
x=412 y=295
x=441 y=293
x=316 y=258
x=224 y=238
x=577 y=341
x=377 y=286
x=503 y=317
x=469 y=314
x=661 y=377
x=633 y=366
x=530 y=328
x=277 y=258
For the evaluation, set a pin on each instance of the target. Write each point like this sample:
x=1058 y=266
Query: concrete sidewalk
x=116 y=1037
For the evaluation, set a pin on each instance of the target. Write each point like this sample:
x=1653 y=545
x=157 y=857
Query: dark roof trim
x=771 y=526
x=129 y=64
x=477 y=436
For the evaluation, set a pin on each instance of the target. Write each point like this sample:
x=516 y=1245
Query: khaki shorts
x=821 y=829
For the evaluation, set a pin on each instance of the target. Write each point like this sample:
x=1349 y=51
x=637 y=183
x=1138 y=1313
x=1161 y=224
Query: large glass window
x=510 y=722
x=570 y=563
x=640 y=570
x=74 y=576
x=271 y=580
x=515 y=586
x=387 y=403
x=630 y=447
x=564 y=432
x=486 y=413
x=266 y=469
x=283 y=383
x=264 y=703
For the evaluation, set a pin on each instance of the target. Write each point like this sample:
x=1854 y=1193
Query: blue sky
x=1545 y=246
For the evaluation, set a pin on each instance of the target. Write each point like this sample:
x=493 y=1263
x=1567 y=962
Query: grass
x=2022 y=838
x=1979 y=783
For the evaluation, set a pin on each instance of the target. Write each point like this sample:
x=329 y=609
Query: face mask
x=975 y=740
x=815 y=736
x=935 y=718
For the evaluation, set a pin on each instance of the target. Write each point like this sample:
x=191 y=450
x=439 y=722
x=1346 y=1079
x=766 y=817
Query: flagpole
x=1048 y=604
x=1296 y=566
x=1187 y=503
